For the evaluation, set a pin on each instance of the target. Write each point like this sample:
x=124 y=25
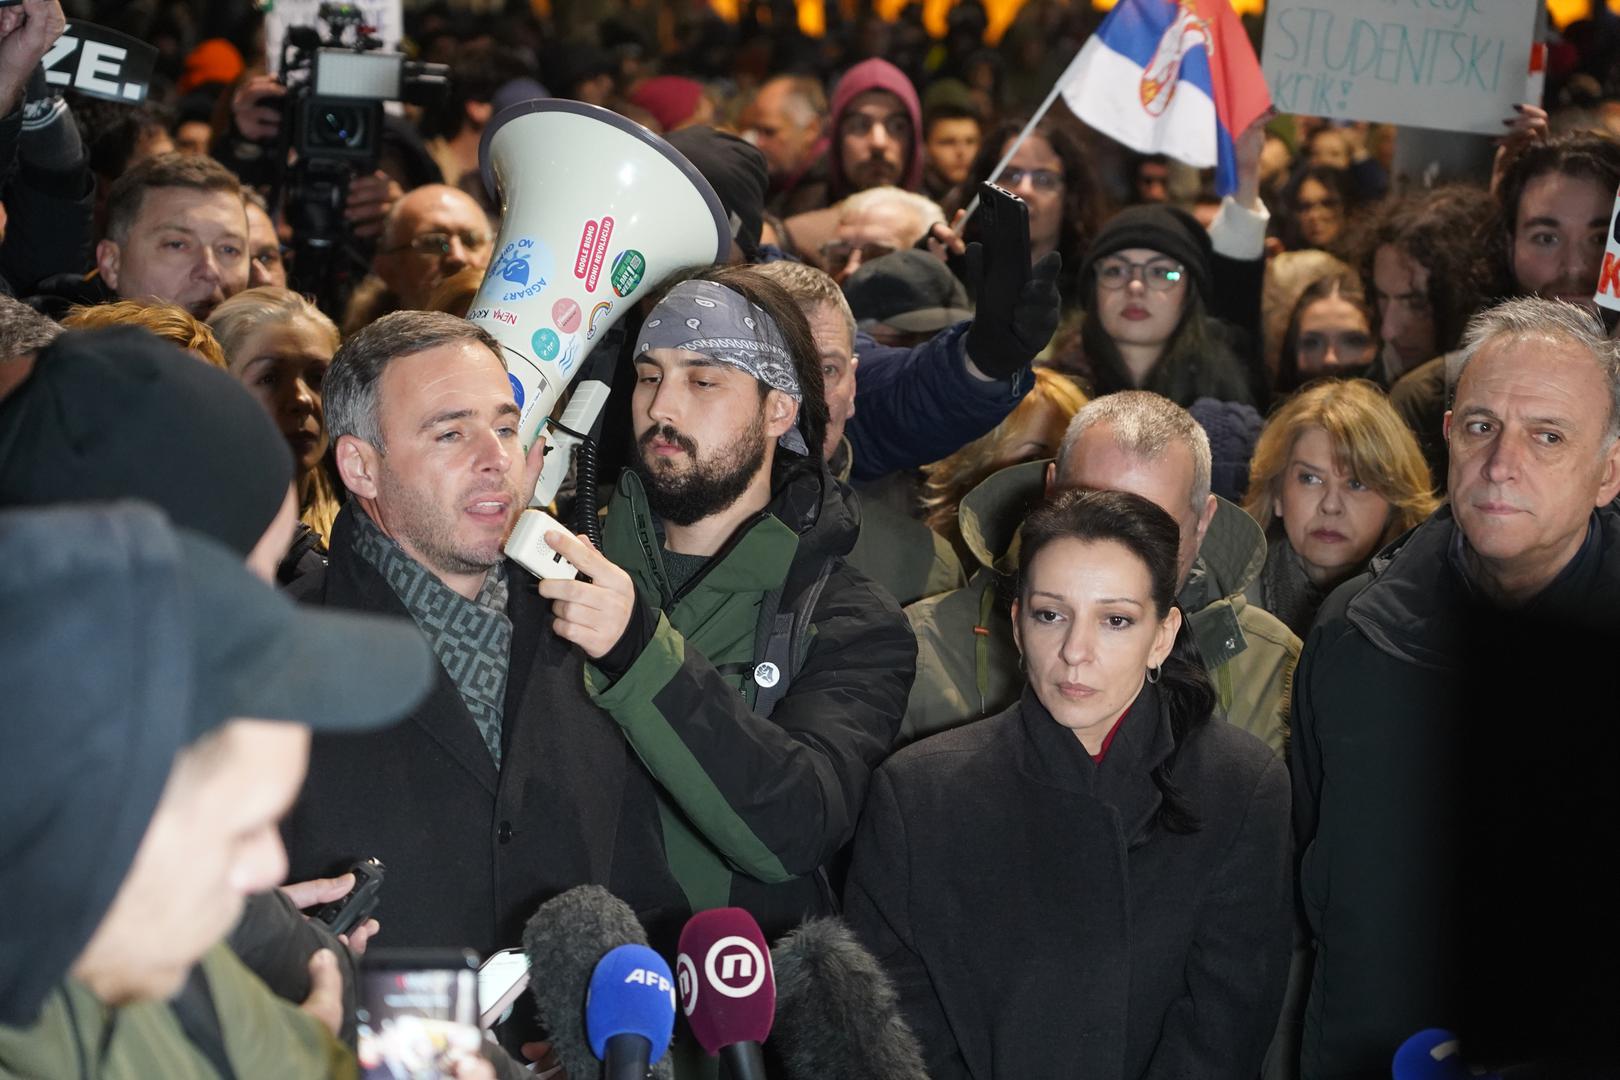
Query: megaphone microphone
x=727 y=987
x=595 y=212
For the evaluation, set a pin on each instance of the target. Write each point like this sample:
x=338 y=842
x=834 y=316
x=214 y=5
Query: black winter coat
x=1421 y=719
x=471 y=851
x=1039 y=924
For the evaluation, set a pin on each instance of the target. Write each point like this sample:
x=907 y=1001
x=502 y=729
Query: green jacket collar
x=1232 y=554
x=755 y=560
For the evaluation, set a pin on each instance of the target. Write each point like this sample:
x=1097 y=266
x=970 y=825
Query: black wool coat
x=472 y=850
x=1038 y=923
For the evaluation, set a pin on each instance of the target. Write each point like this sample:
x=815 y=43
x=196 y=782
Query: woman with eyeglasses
x=1317 y=205
x=1049 y=172
x=1147 y=284
x=1095 y=882
x=1330 y=334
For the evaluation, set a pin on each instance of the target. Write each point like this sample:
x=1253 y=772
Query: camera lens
x=339 y=127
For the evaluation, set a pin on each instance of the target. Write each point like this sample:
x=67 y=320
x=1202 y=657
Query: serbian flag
x=1169 y=77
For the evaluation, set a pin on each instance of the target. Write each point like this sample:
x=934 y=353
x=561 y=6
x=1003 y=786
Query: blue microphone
x=1433 y=1054
x=630 y=1011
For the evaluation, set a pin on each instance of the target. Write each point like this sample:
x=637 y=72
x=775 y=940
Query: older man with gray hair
x=1388 y=726
x=1135 y=441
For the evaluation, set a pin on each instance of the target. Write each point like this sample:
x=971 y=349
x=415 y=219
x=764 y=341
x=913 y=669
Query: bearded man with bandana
x=757 y=676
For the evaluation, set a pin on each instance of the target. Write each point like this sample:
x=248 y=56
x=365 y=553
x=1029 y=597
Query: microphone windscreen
x=837 y=1013
x=632 y=993
x=564 y=940
x=1431 y=1054
x=728 y=992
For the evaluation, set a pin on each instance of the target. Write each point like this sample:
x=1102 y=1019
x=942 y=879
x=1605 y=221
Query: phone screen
x=416 y=1023
x=500 y=980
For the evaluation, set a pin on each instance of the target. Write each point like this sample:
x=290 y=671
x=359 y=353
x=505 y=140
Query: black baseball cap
x=909 y=290
x=125 y=640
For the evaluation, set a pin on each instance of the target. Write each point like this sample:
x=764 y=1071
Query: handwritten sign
x=1608 y=289
x=1456 y=65
x=386 y=16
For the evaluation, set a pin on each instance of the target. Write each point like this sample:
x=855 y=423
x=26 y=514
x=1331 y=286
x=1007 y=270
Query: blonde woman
x=280 y=345
x=1031 y=432
x=1335 y=476
x=167 y=321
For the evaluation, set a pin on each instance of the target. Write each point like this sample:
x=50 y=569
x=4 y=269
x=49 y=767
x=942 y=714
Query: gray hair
x=809 y=288
x=923 y=209
x=1532 y=316
x=349 y=391
x=23 y=330
x=1143 y=424
x=805 y=102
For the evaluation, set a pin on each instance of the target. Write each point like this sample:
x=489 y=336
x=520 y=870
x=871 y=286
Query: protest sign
x=387 y=16
x=1608 y=288
x=1455 y=65
x=100 y=63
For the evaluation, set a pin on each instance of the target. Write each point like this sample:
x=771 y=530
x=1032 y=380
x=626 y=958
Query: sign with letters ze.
x=101 y=63
x=1455 y=65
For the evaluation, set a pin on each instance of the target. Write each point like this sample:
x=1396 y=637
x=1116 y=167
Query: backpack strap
x=784 y=631
x=194 y=1009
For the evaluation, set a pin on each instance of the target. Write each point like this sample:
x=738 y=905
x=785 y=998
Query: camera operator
x=247 y=149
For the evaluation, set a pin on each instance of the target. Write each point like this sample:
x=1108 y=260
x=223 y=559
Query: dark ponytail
x=1152 y=535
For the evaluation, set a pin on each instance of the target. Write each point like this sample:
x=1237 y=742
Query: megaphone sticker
x=526 y=264
x=601 y=309
x=565 y=313
x=629 y=267
x=593 y=245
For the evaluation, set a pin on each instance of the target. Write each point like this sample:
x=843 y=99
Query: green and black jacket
x=754 y=805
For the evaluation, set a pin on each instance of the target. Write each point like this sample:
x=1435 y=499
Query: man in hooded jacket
x=967 y=664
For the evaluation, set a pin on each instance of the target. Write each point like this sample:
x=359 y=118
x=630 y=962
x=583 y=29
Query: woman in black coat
x=1094 y=883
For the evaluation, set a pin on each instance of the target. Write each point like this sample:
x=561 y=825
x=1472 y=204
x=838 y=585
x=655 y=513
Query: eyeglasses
x=1160 y=275
x=438 y=243
x=858 y=124
x=1040 y=179
x=1350 y=347
x=837 y=252
x=1304 y=205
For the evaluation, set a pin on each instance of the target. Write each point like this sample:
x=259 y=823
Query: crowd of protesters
x=1159 y=664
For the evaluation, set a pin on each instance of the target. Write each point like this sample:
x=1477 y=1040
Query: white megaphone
x=595 y=210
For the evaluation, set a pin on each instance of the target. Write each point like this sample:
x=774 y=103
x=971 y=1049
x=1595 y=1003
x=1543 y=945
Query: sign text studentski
x=1455 y=65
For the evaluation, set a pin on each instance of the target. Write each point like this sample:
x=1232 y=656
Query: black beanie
x=121 y=414
x=736 y=170
x=1169 y=230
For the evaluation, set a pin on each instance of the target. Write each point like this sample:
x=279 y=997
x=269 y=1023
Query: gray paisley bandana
x=472 y=639
x=721 y=324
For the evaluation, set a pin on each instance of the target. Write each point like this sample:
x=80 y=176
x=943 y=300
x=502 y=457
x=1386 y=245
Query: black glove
x=1001 y=342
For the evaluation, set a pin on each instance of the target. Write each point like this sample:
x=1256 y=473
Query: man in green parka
x=756 y=675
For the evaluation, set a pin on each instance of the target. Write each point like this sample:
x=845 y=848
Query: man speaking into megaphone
x=722 y=638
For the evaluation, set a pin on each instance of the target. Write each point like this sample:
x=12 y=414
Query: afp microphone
x=564 y=940
x=1433 y=1054
x=630 y=1011
x=728 y=992
x=837 y=1013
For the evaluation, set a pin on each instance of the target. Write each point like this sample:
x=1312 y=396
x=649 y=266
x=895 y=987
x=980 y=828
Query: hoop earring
x=1153 y=673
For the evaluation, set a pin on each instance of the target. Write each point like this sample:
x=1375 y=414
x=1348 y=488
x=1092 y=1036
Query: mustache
x=669 y=435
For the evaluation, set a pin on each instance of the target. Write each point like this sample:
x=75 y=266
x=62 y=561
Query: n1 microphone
x=837 y=1013
x=630 y=1011
x=564 y=940
x=1433 y=1054
x=728 y=992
